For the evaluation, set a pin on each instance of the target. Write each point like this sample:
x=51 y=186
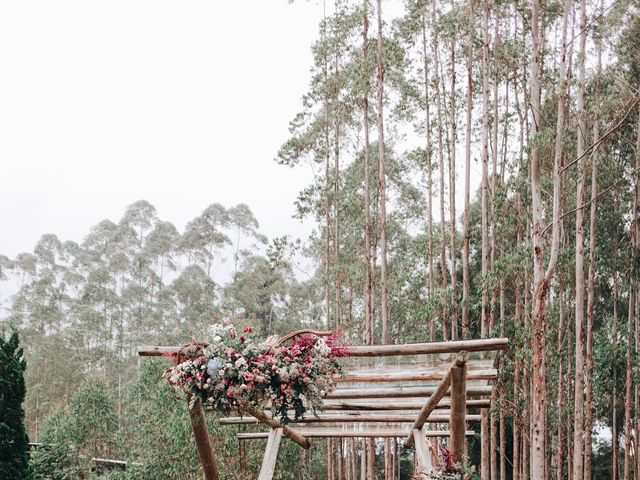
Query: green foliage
x=72 y=436
x=14 y=458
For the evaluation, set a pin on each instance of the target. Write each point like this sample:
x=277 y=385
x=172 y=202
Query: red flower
x=248 y=329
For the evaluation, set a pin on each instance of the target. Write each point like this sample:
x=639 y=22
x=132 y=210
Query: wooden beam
x=480 y=345
x=288 y=432
x=338 y=433
x=424 y=460
x=270 y=454
x=373 y=406
x=458 y=424
x=355 y=376
x=399 y=392
x=351 y=418
x=460 y=360
x=157 y=351
x=201 y=435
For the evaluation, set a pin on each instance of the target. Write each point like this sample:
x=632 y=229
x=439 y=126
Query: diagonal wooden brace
x=287 y=432
x=441 y=391
x=270 y=454
x=201 y=435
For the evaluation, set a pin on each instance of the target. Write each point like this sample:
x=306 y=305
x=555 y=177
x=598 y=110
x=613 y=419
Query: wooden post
x=457 y=424
x=270 y=454
x=441 y=391
x=196 y=415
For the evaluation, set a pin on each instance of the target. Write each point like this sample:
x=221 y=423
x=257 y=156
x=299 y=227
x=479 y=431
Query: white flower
x=322 y=348
x=240 y=362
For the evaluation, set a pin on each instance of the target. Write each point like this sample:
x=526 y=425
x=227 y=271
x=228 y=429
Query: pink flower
x=248 y=329
x=232 y=334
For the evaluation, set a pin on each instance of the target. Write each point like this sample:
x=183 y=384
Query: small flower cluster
x=235 y=371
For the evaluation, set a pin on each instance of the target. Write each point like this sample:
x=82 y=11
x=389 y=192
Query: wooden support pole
x=461 y=359
x=458 y=424
x=201 y=434
x=270 y=454
x=288 y=432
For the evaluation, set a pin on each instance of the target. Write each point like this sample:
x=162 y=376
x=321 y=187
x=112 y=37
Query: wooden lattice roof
x=387 y=391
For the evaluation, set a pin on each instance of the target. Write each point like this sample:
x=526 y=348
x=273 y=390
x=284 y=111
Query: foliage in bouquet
x=236 y=371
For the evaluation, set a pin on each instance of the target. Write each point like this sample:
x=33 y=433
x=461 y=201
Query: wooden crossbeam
x=480 y=345
x=340 y=433
x=351 y=418
x=434 y=400
x=396 y=405
x=418 y=375
x=400 y=392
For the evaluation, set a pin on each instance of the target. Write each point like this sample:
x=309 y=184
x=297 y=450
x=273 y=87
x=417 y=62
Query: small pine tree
x=14 y=442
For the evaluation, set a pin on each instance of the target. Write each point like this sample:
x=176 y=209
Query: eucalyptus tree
x=242 y=221
x=204 y=237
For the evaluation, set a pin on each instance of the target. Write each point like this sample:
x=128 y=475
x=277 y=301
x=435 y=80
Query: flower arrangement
x=237 y=372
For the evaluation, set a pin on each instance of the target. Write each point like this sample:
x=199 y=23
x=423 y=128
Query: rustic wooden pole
x=458 y=424
x=441 y=391
x=353 y=433
x=199 y=426
x=355 y=417
x=288 y=432
x=479 y=345
x=270 y=454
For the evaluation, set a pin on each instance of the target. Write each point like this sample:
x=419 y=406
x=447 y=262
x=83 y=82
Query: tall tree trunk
x=628 y=394
x=432 y=325
x=327 y=205
x=439 y=108
x=384 y=287
x=561 y=383
x=541 y=278
x=614 y=394
x=336 y=196
x=467 y=187
x=578 y=425
x=590 y=364
x=368 y=281
x=485 y=461
x=452 y=190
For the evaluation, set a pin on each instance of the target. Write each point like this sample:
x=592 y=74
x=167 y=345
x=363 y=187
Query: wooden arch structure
x=389 y=391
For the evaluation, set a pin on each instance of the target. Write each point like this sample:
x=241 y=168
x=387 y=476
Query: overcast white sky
x=179 y=103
